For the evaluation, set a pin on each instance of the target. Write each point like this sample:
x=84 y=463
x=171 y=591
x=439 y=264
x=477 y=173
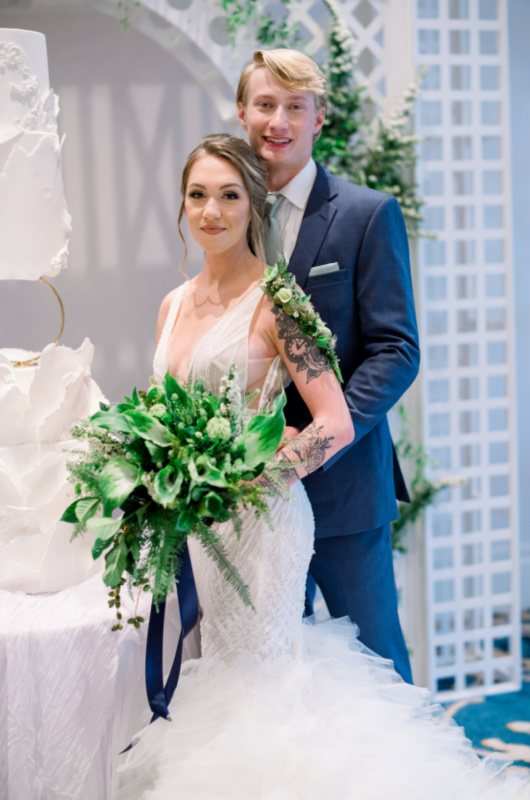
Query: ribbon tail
x=158 y=695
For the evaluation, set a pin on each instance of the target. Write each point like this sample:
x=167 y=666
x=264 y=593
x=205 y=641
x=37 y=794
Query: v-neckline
x=209 y=331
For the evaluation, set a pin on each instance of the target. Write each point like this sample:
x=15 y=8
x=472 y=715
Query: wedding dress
x=278 y=709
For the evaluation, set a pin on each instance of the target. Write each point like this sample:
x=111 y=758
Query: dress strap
x=160 y=364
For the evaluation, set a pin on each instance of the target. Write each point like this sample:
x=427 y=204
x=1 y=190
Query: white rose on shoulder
x=283 y=295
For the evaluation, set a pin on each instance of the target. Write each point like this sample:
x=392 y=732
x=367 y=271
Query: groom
x=348 y=249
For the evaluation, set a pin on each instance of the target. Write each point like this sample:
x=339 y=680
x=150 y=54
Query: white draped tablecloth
x=71 y=691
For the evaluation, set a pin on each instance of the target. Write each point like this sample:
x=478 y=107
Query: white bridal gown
x=277 y=709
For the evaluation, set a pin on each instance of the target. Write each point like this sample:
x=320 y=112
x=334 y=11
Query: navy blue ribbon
x=158 y=695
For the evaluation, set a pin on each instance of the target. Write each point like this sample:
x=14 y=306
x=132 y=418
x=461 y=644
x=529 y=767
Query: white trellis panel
x=468 y=347
x=195 y=32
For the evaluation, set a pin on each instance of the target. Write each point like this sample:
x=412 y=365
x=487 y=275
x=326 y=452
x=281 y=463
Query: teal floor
x=500 y=723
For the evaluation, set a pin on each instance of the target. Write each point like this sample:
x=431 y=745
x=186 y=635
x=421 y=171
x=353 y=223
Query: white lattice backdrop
x=468 y=346
x=195 y=32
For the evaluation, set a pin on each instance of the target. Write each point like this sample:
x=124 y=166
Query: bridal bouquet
x=164 y=465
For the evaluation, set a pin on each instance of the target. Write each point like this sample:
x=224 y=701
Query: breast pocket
x=328 y=278
x=331 y=294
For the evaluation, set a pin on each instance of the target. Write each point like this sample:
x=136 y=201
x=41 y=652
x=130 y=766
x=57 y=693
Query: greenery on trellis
x=268 y=32
x=125 y=8
x=379 y=154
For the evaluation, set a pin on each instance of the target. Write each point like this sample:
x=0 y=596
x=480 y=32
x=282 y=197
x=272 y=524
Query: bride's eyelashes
x=195 y=195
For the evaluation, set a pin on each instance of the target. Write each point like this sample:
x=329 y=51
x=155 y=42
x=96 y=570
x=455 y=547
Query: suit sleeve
x=387 y=322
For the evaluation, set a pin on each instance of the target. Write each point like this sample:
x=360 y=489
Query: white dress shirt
x=291 y=212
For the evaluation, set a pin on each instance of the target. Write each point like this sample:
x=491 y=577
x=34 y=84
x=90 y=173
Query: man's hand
x=288 y=433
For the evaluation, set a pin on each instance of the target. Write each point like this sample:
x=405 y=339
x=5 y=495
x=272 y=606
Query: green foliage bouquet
x=164 y=465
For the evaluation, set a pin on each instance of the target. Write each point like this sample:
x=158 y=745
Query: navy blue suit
x=369 y=304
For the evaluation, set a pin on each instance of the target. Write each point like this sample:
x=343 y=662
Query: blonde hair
x=293 y=70
x=253 y=173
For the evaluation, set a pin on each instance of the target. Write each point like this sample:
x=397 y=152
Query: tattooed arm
x=332 y=427
x=299 y=348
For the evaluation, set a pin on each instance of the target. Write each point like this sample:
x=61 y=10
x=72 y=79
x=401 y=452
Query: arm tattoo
x=299 y=348
x=310 y=447
x=286 y=473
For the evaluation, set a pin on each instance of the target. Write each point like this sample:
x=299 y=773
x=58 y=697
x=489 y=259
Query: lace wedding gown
x=280 y=710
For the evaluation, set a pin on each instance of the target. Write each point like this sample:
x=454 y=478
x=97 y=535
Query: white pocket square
x=322 y=269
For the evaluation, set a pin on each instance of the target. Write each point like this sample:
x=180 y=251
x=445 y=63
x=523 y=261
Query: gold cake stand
x=32 y=362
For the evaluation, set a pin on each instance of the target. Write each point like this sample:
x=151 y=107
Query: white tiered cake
x=38 y=404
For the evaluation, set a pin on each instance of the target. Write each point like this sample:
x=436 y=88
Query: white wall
x=131 y=114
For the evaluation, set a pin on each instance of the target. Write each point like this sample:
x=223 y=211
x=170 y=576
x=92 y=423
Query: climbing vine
x=266 y=30
x=379 y=153
x=125 y=8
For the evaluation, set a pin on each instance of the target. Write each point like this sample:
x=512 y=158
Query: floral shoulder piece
x=280 y=286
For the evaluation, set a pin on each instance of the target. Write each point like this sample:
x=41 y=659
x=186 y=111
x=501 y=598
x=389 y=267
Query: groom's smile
x=276 y=142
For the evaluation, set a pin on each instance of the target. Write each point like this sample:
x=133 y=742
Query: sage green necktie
x=272 y=240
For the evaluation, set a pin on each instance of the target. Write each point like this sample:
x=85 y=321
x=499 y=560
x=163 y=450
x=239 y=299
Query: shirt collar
x=298 y=189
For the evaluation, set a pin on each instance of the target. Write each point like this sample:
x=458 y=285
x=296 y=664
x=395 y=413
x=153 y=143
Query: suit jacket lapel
x=318 y=216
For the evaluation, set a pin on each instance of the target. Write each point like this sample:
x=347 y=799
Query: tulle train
x=335 y=724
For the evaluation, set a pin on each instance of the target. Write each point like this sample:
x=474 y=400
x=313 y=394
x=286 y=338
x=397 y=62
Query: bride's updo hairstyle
x=253 y=173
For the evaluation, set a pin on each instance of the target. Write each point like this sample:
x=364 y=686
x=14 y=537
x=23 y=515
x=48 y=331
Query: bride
x=278 y=709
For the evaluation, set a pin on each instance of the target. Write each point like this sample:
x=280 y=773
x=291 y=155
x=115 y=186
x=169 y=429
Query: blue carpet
x=500 y=723
x=492 y=725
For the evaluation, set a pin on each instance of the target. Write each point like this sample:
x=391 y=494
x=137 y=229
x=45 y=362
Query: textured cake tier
x=36 y=224
x=38 y=407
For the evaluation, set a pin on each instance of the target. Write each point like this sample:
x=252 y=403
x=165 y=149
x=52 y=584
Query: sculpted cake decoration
x=36 y=225
x=38 y=407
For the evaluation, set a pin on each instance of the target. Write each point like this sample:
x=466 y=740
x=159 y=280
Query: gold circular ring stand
x=32 y=362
